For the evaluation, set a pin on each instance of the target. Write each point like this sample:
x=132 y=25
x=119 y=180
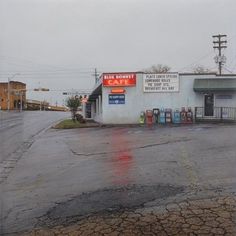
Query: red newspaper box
x=149 y=117
x=189 y=115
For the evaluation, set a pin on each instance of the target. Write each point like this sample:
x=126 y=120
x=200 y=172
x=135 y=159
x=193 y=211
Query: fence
x=219 y=114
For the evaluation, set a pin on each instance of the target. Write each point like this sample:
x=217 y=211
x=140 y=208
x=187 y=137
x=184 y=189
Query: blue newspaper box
x=162 y=117
x=176 y=116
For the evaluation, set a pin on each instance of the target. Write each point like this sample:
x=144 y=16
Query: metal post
x=21 y=94
x=8 y=94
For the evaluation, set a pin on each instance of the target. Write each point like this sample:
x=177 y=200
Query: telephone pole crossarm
x=220 y=43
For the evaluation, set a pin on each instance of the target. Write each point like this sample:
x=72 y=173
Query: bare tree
x=199 y=69
x=159 y=68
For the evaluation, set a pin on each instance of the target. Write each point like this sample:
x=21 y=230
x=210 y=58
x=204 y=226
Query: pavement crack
x=131 y=149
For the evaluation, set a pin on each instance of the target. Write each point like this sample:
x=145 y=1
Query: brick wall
x=16 y=89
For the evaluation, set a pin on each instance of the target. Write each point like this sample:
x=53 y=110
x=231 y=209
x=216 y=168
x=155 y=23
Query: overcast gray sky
x=58 y=43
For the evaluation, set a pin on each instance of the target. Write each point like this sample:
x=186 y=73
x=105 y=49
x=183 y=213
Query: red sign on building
x=116 y=79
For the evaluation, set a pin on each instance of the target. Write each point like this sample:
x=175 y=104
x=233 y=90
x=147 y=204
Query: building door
x=88 y=110
x=209 y=104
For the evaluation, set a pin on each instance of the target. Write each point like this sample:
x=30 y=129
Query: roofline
x=17 y=82
x=139 y=72
x=226 y=75
x=211 y=73
x=12 y=81
x=127 y=72
x=192 y=73
x=170 y=72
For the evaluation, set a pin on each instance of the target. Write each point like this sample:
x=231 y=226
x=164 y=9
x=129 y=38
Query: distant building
x=33 y=105
x=36 y=105
x=16 y=91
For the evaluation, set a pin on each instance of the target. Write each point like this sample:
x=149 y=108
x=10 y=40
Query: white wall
x=96 y=108
x=136 y=101
x=225 y=102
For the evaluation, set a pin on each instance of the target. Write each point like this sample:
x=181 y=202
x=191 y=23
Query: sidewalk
x=204 y=216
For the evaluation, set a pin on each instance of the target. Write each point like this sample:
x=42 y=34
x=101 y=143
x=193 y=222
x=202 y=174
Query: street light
x=8 y=90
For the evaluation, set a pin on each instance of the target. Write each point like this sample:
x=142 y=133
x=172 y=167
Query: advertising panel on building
x=116 y=98
x=161 y=83
x=119 y=79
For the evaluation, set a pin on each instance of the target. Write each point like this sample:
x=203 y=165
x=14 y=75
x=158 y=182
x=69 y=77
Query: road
x=122 y=174
x=17 y=128
x=17 y=133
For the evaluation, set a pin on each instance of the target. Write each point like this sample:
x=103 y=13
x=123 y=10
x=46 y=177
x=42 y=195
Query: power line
x=49 y=71
x=46 y=72
x=45 y=76
x=233 y=67
x=32 y=62
x=197 y=61
x=232 y=64
x=228 y=70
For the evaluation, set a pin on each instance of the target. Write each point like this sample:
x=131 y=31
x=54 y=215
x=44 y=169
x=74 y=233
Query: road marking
x=188 y=166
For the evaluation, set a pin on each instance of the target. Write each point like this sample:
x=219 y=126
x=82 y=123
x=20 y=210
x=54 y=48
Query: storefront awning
x=96 y=92
x=207 y=85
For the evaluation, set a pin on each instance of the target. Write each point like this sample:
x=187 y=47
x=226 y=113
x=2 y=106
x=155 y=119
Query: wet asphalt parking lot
x=67 y=176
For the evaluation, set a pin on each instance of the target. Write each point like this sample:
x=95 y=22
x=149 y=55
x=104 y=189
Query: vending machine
x=149 y=117
x=189 y=115
x=168 y=116
x=176 y=116
x=162 y=118
x=183 y=115
x=156 y=113
x=142 y=117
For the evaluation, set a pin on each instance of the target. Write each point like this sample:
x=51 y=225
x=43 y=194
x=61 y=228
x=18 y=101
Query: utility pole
x=8 y=94
x=21 y=100
x=96 y=75
x=220 y=43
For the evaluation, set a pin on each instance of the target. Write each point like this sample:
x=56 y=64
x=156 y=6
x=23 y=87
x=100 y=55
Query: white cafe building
x=119 y=98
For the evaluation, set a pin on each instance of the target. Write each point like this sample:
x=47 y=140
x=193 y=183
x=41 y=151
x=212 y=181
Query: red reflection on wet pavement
x=122 y=159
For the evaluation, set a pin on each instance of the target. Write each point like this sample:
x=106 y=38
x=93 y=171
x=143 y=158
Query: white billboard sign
x=161 y=83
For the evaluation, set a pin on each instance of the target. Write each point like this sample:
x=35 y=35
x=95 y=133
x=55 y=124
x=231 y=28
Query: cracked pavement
x=205 y=216
x=124 y=181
